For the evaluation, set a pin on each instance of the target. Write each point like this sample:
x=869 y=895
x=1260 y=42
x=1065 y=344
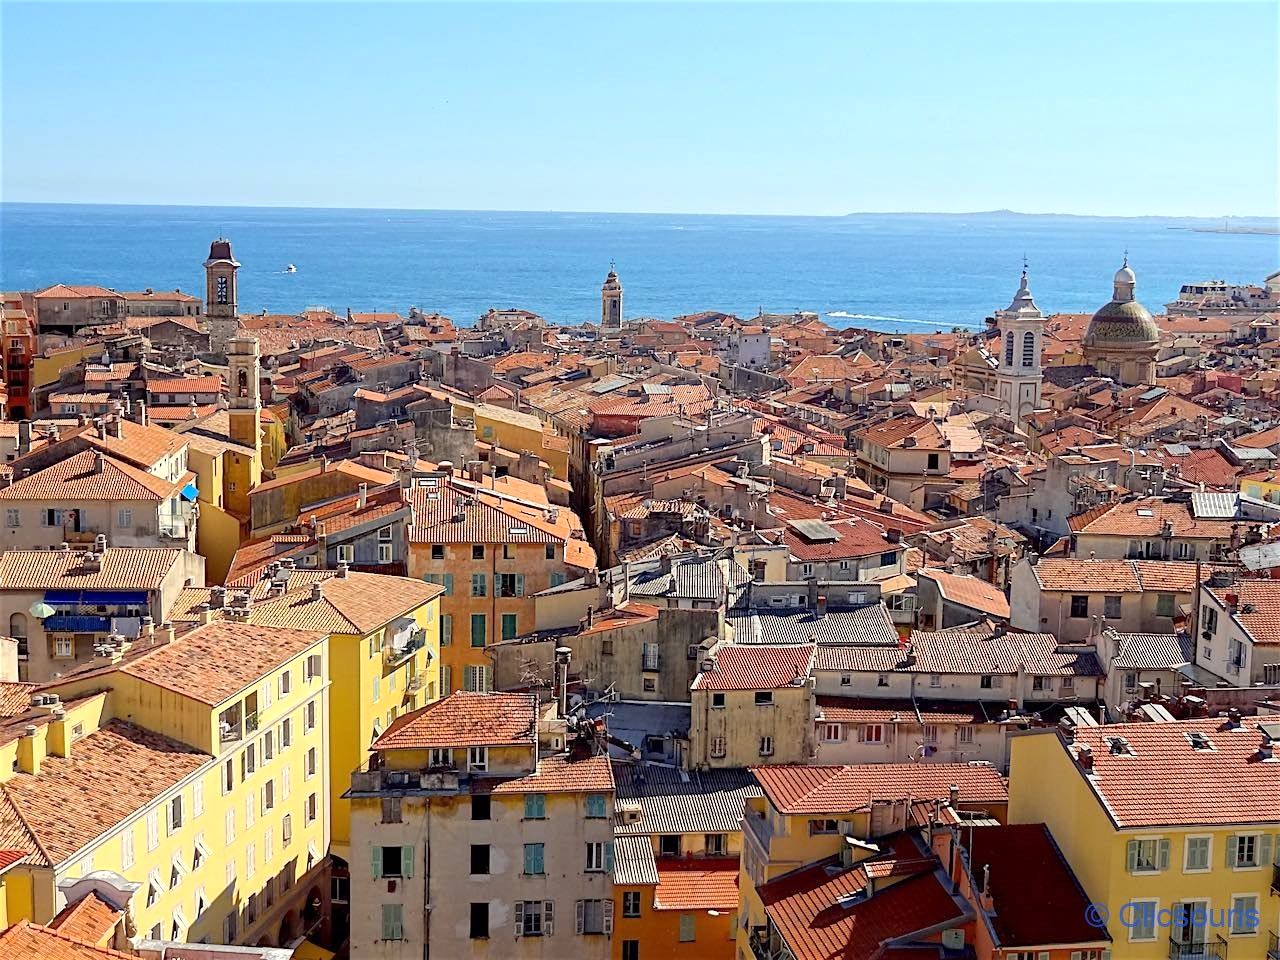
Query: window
x=631 y=903
x=1142 y=925
x=479 y=627
x=480 y=859
x=822 y=827
x=930 y=733
x=286 y=732
x=535 y=806
x=286 y=829
x=766 y=746
x=596 y=805
x=1244 y=915
x=153 y=830
x=764 y=698
x=533 y=859
x=1042 y=683
x=716 y=844
x=717 y=700
x=437 y=551
x=386 y=552
x=479 y=585
x=441 y=757
x=248 y=761
x=882 y=680
x=933 y=461
x=268 y=746
x=966 y=734
x=126 y=848
x=11 y=518
x=1186 y=551
x=1148 y=856
x=1249 y=850
x=687 y=928
x=1111 y=607
x=392 y=862
x=630 y=950
x=1008 y=349
x=346 y=553
x=509 y=584
x=1166 y=605
x=315 y=667
x=480 y=921
x=393 y=921
x=935 y=680
x=476 y=678
x=1211 y=619
x=124 y=518
x=64 y=647
x=1079 y=606
x=310 y=768
x=872 y=733
x=669 y=845
x=1067 y=684
x=173 y=815
x=478 y=759
x=391 y=810
x=595 y=857
x=311 y=808
x=1197 y=854
x=989 y=682
x=481 y=806
x=718 y=747
x=230 y=823
x=534 y=918
x=508 y=626
x=446 y=629
x=831 y=732
x=477 y=553
x=557 y=578
x=595 y=916
x=286 y=683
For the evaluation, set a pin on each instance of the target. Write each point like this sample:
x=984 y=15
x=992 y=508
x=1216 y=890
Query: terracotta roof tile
x=466 y=719
x=28 y=941
x=76 y=478
x=969 y=591
x=118 y=568
x=562 y=775
x=1257 y=610
x=802 y=789
x=757 y=666
x=89 y=919
x=710 y=884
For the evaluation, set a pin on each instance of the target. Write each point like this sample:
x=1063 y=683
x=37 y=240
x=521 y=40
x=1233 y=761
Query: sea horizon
x=885 y=271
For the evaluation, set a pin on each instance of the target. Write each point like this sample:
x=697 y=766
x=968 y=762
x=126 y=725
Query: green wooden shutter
x=595 y=805
x=1232 y=844
x=406 y=862
x=1132 y=861
x=608 y=857
x=477 y=629
x=377 y=862
x=1264 y=849
x=1163 y=862
x=448 y=584
x=446 y=629
x=519 y=584
x=508 y=626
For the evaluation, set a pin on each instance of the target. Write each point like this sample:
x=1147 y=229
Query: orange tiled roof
x=1160 y=779
x=757 y=667
x=219 y=659
x=563 y=775
x=465 y=719
x=66 y=806
x=800 y=789
x=89 y=919
x=1258 y=608
x=1146 y=517
x=208 y=384
x=710 y=884
x=119 y=568
x=969 y=591
x=28 y=941
x=141 y=446
x=75 y=478
x=358 y=603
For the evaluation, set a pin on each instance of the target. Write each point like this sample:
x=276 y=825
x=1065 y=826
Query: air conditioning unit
x=953 y=939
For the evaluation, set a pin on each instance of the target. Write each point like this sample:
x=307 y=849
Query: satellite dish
x=40 y=610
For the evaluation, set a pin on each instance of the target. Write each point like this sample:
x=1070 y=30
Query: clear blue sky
x=1154 y=108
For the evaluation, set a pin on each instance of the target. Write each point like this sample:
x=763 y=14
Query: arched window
x=1028 y=349
x=18 y=630
x=1008 y=349
x=243 y=384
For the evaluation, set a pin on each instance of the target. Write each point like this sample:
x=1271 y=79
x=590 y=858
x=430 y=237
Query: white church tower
x=1019 y=377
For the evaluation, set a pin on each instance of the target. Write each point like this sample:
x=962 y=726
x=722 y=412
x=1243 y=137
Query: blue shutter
x=595 y=805
x=448 y=584
x=608 y=857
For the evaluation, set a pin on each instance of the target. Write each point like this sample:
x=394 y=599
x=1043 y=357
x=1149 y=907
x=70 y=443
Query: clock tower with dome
x=220 y=295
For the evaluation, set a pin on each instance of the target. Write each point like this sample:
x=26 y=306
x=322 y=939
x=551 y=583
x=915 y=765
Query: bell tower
x=1019 y=377
x=611 y=302
x=220 y=294
x=245 y=405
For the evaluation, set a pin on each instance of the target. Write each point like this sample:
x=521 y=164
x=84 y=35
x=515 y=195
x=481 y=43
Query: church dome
x=1124 y=322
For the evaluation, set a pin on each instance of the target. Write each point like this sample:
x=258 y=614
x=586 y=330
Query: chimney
x=664 y=563
x=147 y=630
x=953 y=796
x=118 y=424
x=167 y=632
x=99 y=461
x=820 y=608
x=31 y=751
x=142 y=413
x=218 y=598
x=24 y=437
x=204 y=613
x=100 y=424
x=590 y=614
x=446 y=467
x=58 y=734
x=1265 y=751
x=563 y=656
x=362 y=497
x=1084 y=757
x=986 y=900
x=317 y=590
x=343 y=569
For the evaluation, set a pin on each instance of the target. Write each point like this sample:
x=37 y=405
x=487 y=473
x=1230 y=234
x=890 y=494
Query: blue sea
x=907 y=272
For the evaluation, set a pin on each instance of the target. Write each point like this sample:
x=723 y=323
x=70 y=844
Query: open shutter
x=548 y=918
x=579 y=909
x=377 y=862
x=862 y=734
x=1132 y=860
x=448 y=584
x=608 y=858
x=519 y=917
x=1163 y=863
x=519 y=584
x=406 y=862
x=608 y=918
x=1264 y=849
x=1232 y=843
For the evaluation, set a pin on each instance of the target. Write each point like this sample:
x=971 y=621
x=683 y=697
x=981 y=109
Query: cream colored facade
x=730 y=728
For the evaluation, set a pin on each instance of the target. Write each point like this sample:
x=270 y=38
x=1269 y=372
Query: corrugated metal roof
x=1152 y=651
x=690 y=577
x=633 y=861
x=867 y=625
x=1214 y=506
x=672 y=801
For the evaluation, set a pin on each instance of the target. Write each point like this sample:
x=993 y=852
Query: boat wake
x=844 y=315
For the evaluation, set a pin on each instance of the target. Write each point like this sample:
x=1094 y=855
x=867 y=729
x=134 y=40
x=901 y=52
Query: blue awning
x=134 y=597
x=190 y=491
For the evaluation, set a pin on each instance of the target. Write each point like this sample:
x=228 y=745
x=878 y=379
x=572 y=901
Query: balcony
x=76 y=623
x=1273 y=946
x=399 y=650
x=651 y=663
x=1215 y=949
x=1275 y=878
x=399 y=781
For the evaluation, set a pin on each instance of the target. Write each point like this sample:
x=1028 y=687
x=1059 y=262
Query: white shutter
x=607 y=906
x=519 y=917
x=579 y=911
x=548 y=917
